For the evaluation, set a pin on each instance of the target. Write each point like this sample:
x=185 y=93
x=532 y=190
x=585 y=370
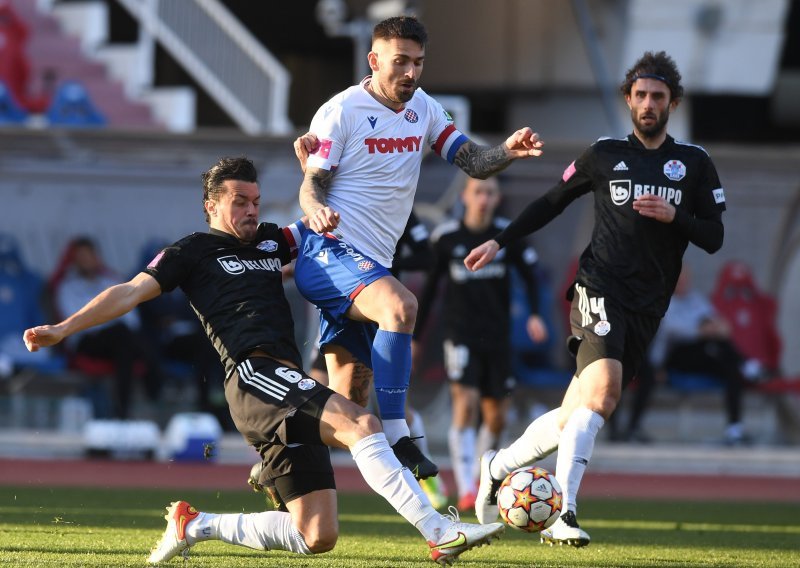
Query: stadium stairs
x=54 y=54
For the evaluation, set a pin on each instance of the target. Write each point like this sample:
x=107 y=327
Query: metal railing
x=223 y=57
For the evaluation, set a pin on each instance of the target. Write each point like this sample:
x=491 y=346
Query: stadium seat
x=10 y=110
x=751 y=314
x=14 y=64
x=533 y=364
x=72 y=106
x=20 y=296
x=29 y=381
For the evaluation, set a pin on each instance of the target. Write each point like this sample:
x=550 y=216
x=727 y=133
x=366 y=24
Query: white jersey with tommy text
x=375 y=154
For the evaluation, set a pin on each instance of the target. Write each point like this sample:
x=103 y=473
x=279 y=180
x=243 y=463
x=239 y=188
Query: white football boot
x=460 y=537
x=565 y=531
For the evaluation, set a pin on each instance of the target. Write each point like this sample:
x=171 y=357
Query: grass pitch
x=67 y=527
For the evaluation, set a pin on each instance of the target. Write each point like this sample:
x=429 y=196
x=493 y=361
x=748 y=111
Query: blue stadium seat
x=693 y=382
x=10 y=110
x=72 y=106
x=20 y=308
x=533 y=363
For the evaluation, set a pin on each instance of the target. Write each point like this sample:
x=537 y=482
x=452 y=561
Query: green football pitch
x=67 y=527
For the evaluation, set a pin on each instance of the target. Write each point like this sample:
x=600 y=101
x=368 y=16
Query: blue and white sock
x=391 y=368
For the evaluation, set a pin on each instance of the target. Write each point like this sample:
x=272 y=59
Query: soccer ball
x=529 y=499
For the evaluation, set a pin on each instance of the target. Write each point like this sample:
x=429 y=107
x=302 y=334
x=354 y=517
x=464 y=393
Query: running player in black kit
x=653 y=196
x=232 y=277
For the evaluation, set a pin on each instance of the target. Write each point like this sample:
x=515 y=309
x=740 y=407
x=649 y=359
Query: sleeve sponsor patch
x=569 y=172
x=719 y=195
x=323 y=149
x=154 y=262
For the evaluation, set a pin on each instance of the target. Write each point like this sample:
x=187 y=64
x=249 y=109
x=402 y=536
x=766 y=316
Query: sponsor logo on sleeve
x=719 y=195
x=324 y=149
x=569 y=172
x=157 y=259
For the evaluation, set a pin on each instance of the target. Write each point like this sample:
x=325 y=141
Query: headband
x=649 y=76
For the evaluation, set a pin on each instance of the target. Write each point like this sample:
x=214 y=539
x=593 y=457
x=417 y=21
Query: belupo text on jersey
x=622 y=189
x=232 y=264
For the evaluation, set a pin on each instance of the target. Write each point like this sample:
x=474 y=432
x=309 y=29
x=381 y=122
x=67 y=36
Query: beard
x=402 y=93
x=654 y=129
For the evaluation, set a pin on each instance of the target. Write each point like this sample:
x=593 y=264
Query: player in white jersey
x=357 y=192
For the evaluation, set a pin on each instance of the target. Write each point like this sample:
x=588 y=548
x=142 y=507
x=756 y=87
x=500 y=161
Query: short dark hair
x=401 y=27
x=658 y=66
x=239 y=169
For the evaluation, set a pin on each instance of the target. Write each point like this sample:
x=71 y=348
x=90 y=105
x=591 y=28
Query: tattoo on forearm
x=480 y=162
x=314 y=190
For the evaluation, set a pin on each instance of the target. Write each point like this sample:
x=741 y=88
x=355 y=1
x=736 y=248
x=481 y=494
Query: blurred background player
x=477 y=322
x=358 y=192
x=653 y=196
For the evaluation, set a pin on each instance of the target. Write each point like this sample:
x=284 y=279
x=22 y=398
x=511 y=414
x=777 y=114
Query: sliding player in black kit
x=232 y=277
x=653 y=196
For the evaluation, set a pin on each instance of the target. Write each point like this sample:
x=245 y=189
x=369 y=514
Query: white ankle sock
x=461 y=442
x=575 y=451
x=539 y=440
x=395 y=429
x=416 y=428
x=272 y=530
x=486 y=441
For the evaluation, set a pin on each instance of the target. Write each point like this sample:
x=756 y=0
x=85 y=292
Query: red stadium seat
x=751 y=313
x=14 y=64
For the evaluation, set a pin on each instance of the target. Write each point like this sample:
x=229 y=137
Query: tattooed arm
x=481 y=162
x=313 y=200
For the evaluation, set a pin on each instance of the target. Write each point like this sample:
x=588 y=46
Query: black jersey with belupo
x=235 y=289
x=632 y=258
x=476 y=305
x=635 y=259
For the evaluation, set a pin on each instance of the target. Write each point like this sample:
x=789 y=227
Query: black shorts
x=486 y=367
x=277 y=410
x=608 y=331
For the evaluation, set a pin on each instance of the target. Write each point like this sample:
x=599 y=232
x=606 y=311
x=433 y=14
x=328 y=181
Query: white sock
x=395 y=429
x=389 y=479
x=416 y=429
x=539 y=440
x=272 y=530
x=575 y=451
x=462 y=456
x=486 y=441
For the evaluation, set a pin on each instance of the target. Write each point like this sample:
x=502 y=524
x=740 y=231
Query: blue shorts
x=330 y=273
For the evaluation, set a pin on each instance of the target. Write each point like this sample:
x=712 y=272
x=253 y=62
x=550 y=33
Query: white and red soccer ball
x=529 y=499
